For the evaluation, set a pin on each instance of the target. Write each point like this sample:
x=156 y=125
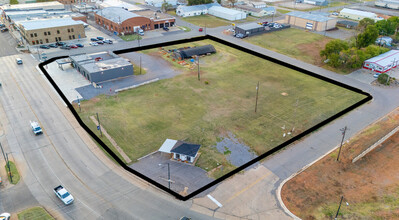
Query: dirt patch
x=313 y=50
x=370 y=186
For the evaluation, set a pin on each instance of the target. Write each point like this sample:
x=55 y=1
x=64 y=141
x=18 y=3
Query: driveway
x=155 y=166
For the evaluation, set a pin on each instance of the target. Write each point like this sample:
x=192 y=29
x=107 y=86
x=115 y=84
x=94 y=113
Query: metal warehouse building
x=249 y=29
x=358 y=15
x=383 y=62
x=309 y=21
x=101 y=67
x=227 y=13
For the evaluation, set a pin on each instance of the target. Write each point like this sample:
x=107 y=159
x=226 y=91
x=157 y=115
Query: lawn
x=201 y=112
x=34 y=213
x=282 y=11
x=296 y=43
x=130 y=37
x=14 y=172
x=210 y=21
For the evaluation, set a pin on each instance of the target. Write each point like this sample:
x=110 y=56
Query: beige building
x=315 y=22
x=358 y=15
x=50 y=31
x=34 y=6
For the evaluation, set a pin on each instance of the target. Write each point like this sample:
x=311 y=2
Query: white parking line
x=215 y=201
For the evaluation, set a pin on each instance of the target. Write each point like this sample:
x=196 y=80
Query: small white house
x=258 y=4
x=181 y=151
x=194 y=10
x=227 y=13
x=158 y=3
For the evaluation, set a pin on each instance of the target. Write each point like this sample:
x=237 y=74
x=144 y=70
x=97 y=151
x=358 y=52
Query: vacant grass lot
x=130 y=37
x=183 y=108
x=34 y=213
x=14 y=173
x=296 y=43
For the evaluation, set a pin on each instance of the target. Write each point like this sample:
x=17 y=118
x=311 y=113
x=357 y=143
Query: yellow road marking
x=246 y=188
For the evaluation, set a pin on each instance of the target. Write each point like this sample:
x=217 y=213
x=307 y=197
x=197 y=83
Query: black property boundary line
x=268 y=153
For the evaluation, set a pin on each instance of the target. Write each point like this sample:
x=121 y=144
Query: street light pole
x=199 y=77
x=99 y=125
x=336 y=215
x=8 y=165
x=169 y=175
x=256 y=100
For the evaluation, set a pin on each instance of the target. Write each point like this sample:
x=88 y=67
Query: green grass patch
x=282 y=11
x=287 y=41
x=136 y=69
x=185 y=29
x=130 y=37
x=14 y=173
x=212 y=21
x=34 y=213
x=14 y=2
x=183 y=108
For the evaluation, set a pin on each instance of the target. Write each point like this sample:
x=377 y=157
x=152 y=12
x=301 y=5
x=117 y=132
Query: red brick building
x=122 y=21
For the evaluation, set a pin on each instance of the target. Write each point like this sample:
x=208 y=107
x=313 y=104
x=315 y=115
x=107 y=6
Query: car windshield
x=65 y=195
x=37 y=129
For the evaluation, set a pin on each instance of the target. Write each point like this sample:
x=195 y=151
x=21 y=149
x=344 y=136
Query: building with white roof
x=227 y=13
x=358 y=15
x=256 y=12
x=121 y=4
x=392 y=4
x=34 y=6
x=51 y=30
x=194 y=10
x=311 y=21
x=383 y=62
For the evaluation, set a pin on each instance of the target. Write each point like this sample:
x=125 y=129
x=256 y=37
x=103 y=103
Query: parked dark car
x=44 y=47
x=59 y=43
x=94 y=39
x=100 y=38
x=2 y=25
x=165 y=28
x=4 y=29
x=79 y=45
x=53 y=45
x=65 y=47
x=100 y=42
x=108 y=41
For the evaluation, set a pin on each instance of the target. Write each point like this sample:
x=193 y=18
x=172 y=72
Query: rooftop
x=249 y=8
x=116 y=14
x=121 y=4
x=48 y=23
x=105 y=64
x=385 y=59
x=357 y=12
x=186 y=148
x=151 y=15
x=225 y=10
x=38 y=5
x=197 y=7
x=308 y=16
x=249 y=26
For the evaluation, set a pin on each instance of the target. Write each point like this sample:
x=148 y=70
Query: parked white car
x=93 y=44
x=5 y=216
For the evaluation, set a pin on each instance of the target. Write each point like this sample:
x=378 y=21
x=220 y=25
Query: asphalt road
x=60 y=156
x=7 y=44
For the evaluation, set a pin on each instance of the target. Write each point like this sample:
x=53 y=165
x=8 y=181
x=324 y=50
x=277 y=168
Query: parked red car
x=200 y=29
x=74 y=46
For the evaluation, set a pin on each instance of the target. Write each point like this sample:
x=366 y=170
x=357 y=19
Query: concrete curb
x=137 y=85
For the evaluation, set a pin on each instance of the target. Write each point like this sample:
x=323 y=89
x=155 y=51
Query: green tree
x=364 y=23
x=395 y=20
x=198 y=2
x=383 y=79
x=166 y=6
x=369 y=36
x=386 y=27
x=335 y=60
x=232 y=2
x=334 y=47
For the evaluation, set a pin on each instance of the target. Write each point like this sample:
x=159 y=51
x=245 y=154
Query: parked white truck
x=63 y=194
x=36 y=128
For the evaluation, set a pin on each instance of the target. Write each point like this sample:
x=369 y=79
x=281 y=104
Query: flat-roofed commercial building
x=122 y=21
x=315 y=22
x=49 y=31
x=34 y=6
x=358 y=15
x=101 y=67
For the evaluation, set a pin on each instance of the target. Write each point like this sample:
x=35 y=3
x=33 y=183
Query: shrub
x=382 y=78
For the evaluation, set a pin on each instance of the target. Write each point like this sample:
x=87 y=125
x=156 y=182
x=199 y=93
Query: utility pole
x=140 y=64
x=342 y=141
x=80 y=110
x=99 y=125
x=38 y=52
x=199 y=77
x=1 y=146
x=169 y=175
x=256 y=101
x=336 y=215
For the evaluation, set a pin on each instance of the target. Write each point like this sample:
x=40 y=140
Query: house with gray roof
x=315 y=22
x=182 y=151
x=256 y=12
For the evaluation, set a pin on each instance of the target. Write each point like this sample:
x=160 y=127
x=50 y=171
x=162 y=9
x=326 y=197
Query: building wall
x=81 y=18
x=131 y=25
x=51 y=35
x=227 y=16
x=317 y=26
x=184 y=158
x=191 y=13
x=111 y=74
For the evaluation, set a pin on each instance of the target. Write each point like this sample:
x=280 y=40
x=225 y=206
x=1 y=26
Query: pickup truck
x=63 y=194
x=36 y=128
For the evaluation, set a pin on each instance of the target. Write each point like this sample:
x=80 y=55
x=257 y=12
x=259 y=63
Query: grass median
x=14 y=173
x=34 y=213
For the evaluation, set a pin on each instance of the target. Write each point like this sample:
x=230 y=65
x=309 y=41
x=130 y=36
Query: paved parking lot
x=181 y=174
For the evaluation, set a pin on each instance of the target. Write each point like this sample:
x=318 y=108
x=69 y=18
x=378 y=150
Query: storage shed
x=383 y=62
x=182 y=54
x=256 y=12
x=310 y=21
x=181 y=151
x=194 y=10
x=227 y=13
